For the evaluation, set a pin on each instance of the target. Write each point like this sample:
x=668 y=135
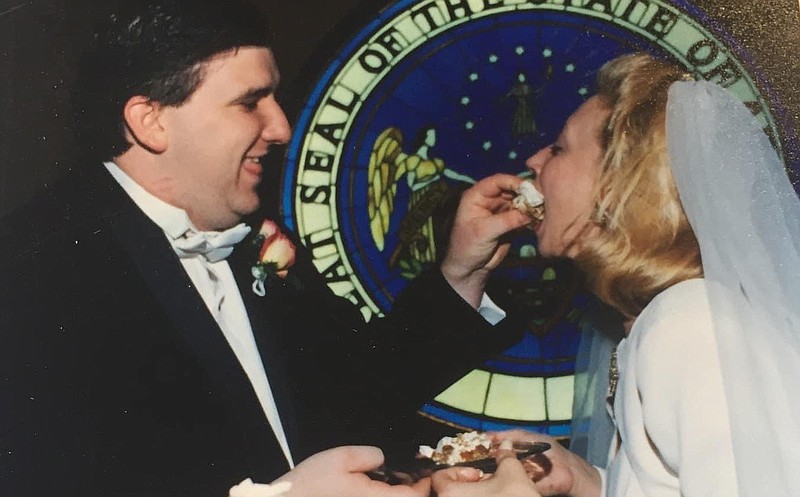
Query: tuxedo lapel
x=267 y=327
x=165 y=277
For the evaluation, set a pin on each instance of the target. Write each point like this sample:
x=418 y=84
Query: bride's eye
x=555 y=149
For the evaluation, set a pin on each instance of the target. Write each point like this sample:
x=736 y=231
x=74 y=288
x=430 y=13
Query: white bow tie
x=213 y=245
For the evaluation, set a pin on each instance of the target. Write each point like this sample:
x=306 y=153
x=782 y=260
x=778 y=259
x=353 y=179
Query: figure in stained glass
x=424 y=176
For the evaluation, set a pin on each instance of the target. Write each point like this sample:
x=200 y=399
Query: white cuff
x=490 y=311
x=249 y=489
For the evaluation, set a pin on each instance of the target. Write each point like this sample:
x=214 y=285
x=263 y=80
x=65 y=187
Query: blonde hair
x=642 y=243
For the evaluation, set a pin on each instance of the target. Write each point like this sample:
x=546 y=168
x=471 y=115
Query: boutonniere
x=275 y=256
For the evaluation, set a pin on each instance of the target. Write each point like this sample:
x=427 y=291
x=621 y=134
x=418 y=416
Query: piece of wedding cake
x=463 y=447
x=529 y=200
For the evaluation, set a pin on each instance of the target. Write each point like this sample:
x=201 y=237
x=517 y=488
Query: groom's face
x=217 y=137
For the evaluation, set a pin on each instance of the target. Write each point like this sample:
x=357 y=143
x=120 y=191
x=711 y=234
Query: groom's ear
x=143 y=122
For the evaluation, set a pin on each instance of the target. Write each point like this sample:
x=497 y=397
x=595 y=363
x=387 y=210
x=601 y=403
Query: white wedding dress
x=670 y=406
x=708 y=399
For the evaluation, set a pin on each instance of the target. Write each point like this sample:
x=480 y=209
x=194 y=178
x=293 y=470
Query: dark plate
x=414 y=470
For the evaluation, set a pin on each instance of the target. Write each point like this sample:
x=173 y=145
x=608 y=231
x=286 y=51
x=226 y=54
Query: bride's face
x=566 y=174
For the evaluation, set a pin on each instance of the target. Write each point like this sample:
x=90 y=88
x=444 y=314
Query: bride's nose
x=535 y=162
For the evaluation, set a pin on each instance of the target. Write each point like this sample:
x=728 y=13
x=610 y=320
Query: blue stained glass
x=471 y=422
x=420 y=95
x=486 y=61
x=495 y=89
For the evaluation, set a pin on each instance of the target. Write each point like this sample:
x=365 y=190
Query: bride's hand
x=556 y=471
x=510 y=480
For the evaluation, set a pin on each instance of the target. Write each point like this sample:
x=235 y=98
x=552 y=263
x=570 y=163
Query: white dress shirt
x=490 y=311
x=212 y=279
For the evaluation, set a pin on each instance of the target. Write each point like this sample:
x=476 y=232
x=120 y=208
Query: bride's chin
x=546 y=249
x=572 y=252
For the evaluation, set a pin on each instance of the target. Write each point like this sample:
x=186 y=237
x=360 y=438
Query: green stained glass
x=468 y=393
x=559 y=392
x=513 y=397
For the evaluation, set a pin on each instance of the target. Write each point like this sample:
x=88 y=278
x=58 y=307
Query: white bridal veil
x=746 y=216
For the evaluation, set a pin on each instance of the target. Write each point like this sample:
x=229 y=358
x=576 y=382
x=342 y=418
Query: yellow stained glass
x=559 y=397
x=519 y=398
x=468 y=393
x=510 y=397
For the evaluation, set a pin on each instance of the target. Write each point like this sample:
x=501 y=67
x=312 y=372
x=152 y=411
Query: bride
x=669 y=196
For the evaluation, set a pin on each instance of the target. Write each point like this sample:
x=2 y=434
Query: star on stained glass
x=583 y=91
x=465 y=100
x=527 y=251
x=487 y=145
x=493 y=58
x=547 y=53
x=519 y=50
x=473 y=76
x=512 y=155
x=469 y=125
x=570 y=68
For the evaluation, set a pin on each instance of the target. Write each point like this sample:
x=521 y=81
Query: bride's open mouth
x=530 y=201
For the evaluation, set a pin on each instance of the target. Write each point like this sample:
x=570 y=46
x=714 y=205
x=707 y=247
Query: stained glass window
x=450 y=92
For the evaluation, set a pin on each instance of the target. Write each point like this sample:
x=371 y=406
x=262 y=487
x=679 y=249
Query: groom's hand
x=339 y=472
x=477 y=241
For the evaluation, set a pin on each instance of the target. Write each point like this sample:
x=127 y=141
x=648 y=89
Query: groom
x=136 y=358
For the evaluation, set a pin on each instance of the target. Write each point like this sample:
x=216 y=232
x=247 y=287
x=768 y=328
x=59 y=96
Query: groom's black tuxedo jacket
x=116 y=380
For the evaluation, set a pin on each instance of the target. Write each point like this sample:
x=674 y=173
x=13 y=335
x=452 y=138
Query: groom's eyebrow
x=254 y=95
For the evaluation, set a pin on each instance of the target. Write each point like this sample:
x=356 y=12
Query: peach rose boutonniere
x=275 y=256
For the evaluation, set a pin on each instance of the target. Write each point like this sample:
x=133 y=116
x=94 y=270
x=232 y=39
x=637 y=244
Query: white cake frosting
x=463 y=447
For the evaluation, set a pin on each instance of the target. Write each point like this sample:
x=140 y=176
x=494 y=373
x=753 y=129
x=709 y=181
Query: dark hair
x=157 y=49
